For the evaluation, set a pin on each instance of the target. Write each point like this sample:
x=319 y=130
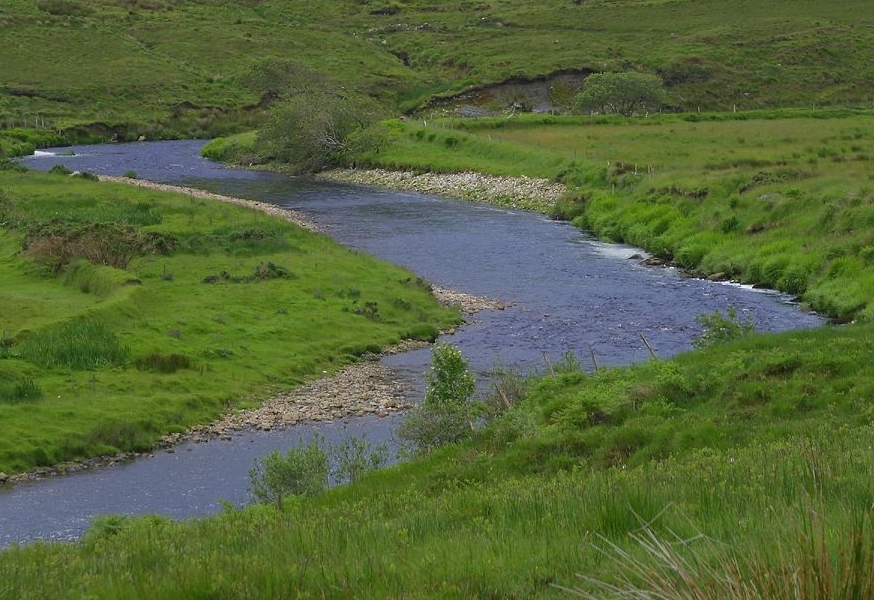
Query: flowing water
x=565 y=291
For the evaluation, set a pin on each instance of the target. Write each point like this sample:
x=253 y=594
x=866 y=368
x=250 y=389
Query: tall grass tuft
x=818 y=562
x=81 y=344
x=19 y=391
x=163 y=363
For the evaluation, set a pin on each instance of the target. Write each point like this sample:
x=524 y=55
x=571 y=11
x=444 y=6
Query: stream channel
x=565 y=291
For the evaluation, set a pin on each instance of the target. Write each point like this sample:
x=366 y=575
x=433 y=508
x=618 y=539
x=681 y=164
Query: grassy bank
x=749 y=462
x=780 y=199
x=130 y=313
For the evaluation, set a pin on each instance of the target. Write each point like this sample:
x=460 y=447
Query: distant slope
x=178 y=67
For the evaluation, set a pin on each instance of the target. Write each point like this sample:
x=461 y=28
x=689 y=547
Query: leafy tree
x=315 y=130
x=275 y=78
x=623 y=93
x=444 y=415
x=316 y=123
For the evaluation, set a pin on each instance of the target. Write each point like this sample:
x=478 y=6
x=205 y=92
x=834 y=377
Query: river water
x=566 y=292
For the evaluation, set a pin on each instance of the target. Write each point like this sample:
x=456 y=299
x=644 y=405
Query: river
x=565 y=291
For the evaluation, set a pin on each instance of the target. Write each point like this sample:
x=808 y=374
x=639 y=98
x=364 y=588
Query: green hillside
x=182 y=67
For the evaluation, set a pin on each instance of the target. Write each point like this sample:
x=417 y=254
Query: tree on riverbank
x=316 y=122
x=444 y=415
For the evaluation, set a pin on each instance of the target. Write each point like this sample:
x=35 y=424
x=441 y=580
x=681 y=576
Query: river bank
x=358 y=389
x=526 y=193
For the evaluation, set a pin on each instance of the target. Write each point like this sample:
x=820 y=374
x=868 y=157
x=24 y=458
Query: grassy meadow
x=130 y=313
x=741 y=470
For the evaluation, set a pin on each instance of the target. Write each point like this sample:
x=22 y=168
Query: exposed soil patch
x=549 y=93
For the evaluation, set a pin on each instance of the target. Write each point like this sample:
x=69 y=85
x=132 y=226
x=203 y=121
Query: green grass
x=761 y=446
x=99 y=341
x=169 y=68
x=680 y=450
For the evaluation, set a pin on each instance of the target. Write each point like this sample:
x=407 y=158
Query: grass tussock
x=82 y=344
x=161 y=363
x=814 y=562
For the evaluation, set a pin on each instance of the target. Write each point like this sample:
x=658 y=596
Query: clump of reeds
x=814 y=562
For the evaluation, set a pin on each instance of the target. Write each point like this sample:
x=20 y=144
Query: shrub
x=719 y=328
x=301 y=471
x=60 y=170
x=354 y=457
x=444 y=417
x=11 y=165
x=307 y=469
x=56 y=244
x=622 y=93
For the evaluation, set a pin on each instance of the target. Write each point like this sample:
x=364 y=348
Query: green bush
x=444 y=416
x=307 y=469
x=301 y=471
x=719 y=328
x=60 y=170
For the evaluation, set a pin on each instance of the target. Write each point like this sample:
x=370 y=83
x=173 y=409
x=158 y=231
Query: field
x=743 y=467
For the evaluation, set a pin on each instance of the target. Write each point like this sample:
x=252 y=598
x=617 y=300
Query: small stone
x=3 y=477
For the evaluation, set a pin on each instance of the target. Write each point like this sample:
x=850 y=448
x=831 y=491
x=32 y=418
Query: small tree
x=302 y=471
x=316 y=130
x=356 y=456
x=623 y=93
x=444 y=416
x=308 y=469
